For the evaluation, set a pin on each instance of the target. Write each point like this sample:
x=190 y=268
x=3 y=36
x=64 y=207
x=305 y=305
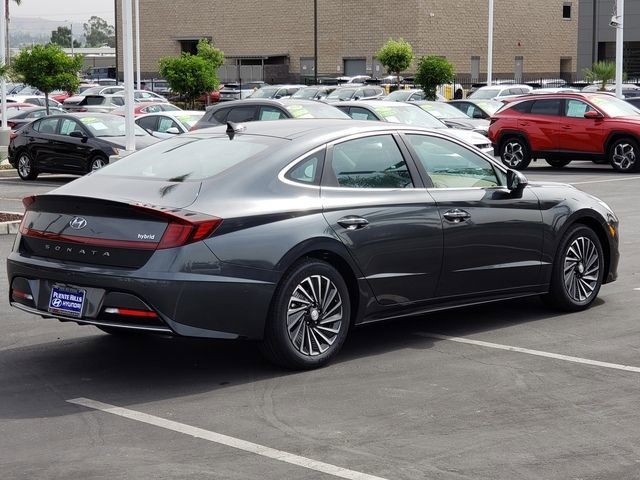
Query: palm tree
x=17 y=2
x=602 y=72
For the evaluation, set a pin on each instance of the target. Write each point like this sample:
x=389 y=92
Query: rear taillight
x=184 y=227
x=130 y=312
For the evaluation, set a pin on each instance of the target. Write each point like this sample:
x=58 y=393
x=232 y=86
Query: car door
x=542 y=124
x=375 y=202
x=40 y=142
x=579 y=134
x=492 y=236
x=71 y=153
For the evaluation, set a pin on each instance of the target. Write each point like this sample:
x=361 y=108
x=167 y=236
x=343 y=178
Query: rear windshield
x=192 y=157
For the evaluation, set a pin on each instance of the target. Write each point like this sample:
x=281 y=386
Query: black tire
x=25 y=166
x=307 y=341
x=557 y=163
x=574 y=258
x=97 y=162
x=514 y=153
x=624 y=155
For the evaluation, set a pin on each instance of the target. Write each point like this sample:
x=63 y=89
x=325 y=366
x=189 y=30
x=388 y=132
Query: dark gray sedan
x=291 y=232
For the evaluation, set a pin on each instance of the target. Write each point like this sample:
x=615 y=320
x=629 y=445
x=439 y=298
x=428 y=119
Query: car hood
x=467 y=123
x=635 y=121
x=468 y=136
x=141 y=141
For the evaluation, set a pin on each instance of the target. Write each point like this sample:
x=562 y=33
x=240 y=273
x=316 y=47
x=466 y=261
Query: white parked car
x=169 y=124
x=38 y=100
x=498 y=92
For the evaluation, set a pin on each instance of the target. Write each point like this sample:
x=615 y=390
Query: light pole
x=490 y=45
x=137 y=4
x=315 y=42
x=127 y=48
x=617 y=21
x=4 y=135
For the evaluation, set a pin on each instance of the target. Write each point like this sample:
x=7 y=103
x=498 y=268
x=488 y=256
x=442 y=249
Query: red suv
x=567 y=126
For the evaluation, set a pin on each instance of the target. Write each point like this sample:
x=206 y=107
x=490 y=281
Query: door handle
x=456 y=215
x=353 y=222
x=566 y=127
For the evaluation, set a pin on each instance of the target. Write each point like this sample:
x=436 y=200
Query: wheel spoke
x=581 y=269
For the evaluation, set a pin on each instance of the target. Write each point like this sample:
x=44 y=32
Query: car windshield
x=485 y=93
x=442 y=110
x=91 y=90
x=341 y=94
x=307 y=93
x=399 y=95
x=490 y=107
x=108 y=126
x=614 y=107
x=266 y=92
x=168 y=107
x=13 y=112
x=315 y=110
x=409 y=115
x=189 y=119
x=192 y=157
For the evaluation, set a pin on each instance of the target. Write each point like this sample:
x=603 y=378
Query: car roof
x=172 y=113
x=323 y=129
x=265 y=101
x=372 y=103
x=533 y=96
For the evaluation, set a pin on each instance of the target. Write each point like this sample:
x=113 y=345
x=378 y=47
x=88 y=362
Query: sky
x=74 y=10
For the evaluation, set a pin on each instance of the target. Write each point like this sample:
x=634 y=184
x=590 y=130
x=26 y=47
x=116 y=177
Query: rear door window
x=46 y=125
x=370 y=162
x=220 y=116
x=148 y=123
x=242 y=114
x=546 y=107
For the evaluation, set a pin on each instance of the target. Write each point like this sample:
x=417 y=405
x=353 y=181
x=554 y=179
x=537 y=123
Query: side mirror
x=172 y=131
x=516 y=180
x=78 y=134
x=356 y=97
x=592 y=114
x=278 y=97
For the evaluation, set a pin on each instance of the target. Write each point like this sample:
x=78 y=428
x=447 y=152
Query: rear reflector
x=130 y=312
x=22 y=295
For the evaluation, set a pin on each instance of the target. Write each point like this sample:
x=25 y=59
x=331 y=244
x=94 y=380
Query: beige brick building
x=274 y=40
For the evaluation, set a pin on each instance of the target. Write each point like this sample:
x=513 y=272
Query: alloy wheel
x=624 y=156
x=581 y=269
x=513 y=154
x=314 y=315
x=97 y=164
x=24 y=166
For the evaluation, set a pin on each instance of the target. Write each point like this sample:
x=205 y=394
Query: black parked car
x=290 y=232
x=78 y=144
x=251 y=109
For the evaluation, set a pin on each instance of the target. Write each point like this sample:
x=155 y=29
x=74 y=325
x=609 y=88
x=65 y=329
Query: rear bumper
x=231 y=303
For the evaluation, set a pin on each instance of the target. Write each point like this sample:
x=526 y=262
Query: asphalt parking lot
x=502 y=391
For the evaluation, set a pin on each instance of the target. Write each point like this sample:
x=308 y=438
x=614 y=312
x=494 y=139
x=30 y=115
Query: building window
x=566 y=11
x=189 y=46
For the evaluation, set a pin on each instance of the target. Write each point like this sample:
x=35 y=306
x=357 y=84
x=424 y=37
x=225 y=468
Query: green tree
x=48 y=68
x=433 y=71
x=602 y=72
x=97 y=32
x=396 y=56
x=61 y=36
x=213 y=55
x=188 y=75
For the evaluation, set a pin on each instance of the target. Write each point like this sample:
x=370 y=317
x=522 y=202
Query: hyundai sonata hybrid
x=290 y=232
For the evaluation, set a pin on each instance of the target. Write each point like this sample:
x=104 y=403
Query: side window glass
x=358 y=113
x=221 y=115
x=370 y=162
x=523 y=107
x=37 y=114
x=576 y=108
x=47 y=125
x=67 y=126
x=308 y=170
x=148 y=123
x=165 y=124
x=241 y=114
x=119 y=101
x=450 y=165
x=546 y=107
x=271 y=113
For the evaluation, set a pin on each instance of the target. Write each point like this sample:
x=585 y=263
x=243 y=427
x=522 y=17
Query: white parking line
x=538 y=353
x=606 y=181
x=226 y=440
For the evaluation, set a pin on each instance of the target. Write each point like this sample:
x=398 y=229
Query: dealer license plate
x=66 y=301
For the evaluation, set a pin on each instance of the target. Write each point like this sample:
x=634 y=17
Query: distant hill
x=28 y=30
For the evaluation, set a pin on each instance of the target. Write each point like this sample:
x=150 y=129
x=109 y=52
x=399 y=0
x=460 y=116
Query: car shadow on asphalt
x=37 y=380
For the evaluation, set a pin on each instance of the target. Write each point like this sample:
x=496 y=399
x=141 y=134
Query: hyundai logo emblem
x=78 y=223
